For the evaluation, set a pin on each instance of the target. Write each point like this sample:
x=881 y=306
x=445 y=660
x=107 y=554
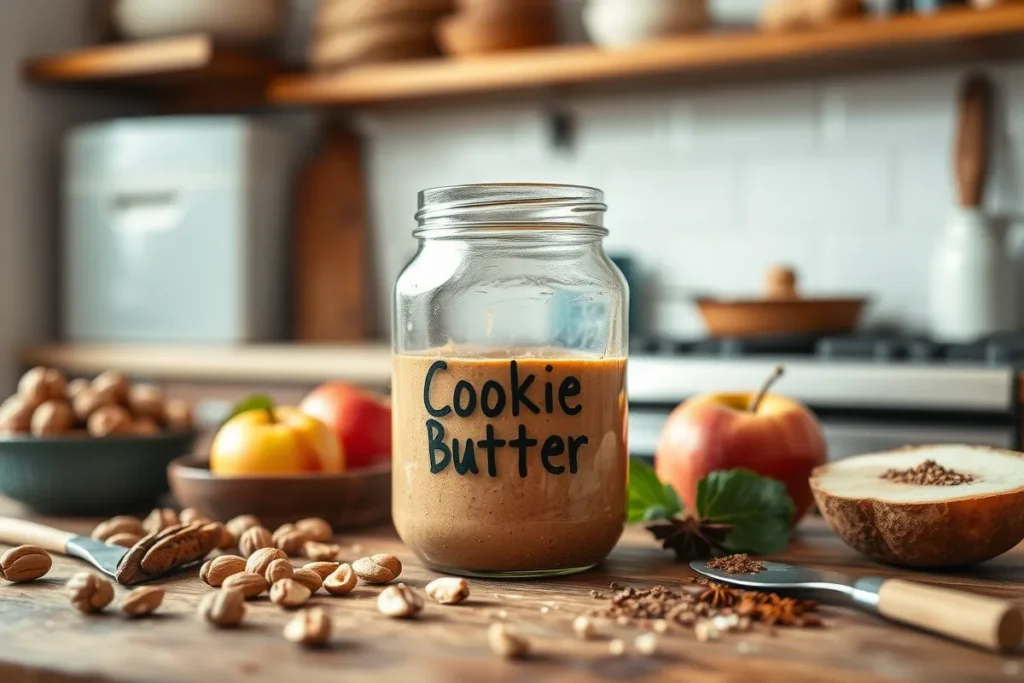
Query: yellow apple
x=281 y=441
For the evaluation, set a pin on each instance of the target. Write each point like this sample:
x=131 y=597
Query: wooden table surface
x=43 y=640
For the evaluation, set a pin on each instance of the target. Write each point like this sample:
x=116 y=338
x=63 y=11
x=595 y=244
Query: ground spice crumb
x=928 y=473
x=597 y=595
x=737 y=564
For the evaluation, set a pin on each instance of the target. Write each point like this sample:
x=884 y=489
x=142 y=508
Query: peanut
x=278 y=570
x=142 y=601
x=261 y=559
x=239 y=525
x=505 y=643
x=89 y=593
x=289 y=593
x=308 y=578
x=323 y=569
x=399 y=602
x=316 y=529
x=448 y=590
x=112 y=383
x=52 y=418
x=215 y=571
x=289 y=539
x=310 y=628
x=109 y=421
x=342 y=581
x=249 y=585
x=379 y=568
x=254 y=539
x=223 y=608
x=321 y=552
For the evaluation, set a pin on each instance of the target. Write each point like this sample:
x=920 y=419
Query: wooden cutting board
x=42 y=640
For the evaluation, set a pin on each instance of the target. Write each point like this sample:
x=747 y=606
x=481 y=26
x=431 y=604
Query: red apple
x=360 y=420
x=772 y=435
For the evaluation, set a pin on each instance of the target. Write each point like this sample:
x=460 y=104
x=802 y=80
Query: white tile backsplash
x=846 y=179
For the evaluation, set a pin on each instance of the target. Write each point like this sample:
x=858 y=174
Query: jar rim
x=523 y=206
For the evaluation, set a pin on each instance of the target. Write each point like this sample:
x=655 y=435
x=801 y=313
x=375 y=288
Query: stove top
x=1004 y=349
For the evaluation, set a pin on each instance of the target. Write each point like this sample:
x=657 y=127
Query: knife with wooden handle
x=988 y=622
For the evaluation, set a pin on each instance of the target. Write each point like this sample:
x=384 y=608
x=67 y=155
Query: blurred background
x=216 y=195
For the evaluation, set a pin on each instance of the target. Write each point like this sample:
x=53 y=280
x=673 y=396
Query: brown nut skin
x=109 y=421
x=223 y=608
x=289 y=539
x=89 y=593
x=178 y=415
x=289 y=593
x=239 y=525
x=122 y=524
x=16 y=415
x=114 y=384
x=321 y=552
x=217 y=570
x=87 y=402
x=323 y=569
x=316 y=529
x=142 y=601
x=448 y=590
x=380 y=568
x=75 y=387
x=261 y=559
x=399 y=602
x=145 y=426
x=342 y=581
x=254 y=539
x=308 y=578
x=24 y=563
x=250 y=585
x=278 y=570
x=160 y=519
x=310 y=628
x=125 y=540
x=52 y=418
x=146 y=400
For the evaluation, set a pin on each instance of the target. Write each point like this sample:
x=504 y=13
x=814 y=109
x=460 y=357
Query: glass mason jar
x=509 y=412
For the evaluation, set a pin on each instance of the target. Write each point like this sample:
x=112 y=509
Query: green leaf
x=759 y=509
x=649 y=499
x=253 y=402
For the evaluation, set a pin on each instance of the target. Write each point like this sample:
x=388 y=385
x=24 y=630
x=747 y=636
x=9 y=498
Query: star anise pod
x=691 y=539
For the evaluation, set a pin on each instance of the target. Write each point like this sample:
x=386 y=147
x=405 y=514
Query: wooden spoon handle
x=979 y=619
x=972 y=141
x=20 y=532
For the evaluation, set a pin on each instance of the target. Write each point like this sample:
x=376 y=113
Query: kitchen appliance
x=971 y=289
x=782 y=311
x=871 y=392
x=175 y=230
x=989 y=622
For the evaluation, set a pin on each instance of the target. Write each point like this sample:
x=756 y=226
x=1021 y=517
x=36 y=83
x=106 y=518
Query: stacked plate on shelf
x=353 y=32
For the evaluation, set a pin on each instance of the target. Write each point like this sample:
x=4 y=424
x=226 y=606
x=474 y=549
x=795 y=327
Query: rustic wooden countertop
x=43 y=640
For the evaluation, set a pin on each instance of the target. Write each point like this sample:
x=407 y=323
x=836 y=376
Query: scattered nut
x=705 y=631
x=52 y=418
x=178 y=415
x=239 y=525
x=109 y=421
x=114 y=383
x=311 y=628
x=248 y=584
x=647 y=643
x=142 y=601
x=308 y=578
x=34 y=387
x=215 y=571
x=324 y=569
x=278 y=570
x=24 y=563
x=289 y=539
x=616 y=648
x=75 y=387
x=380 y=568
x=316 y=529
x=289 y=593
x=584 y=628
x=342 y=581
x=399 y=601
x=87 y=402
x=321 y=552
x=254 y=539
x=146 y=401
x=223 y=608
x=125 y=540
x=89 y=593
x=16 y=415
x=225 y=539
x=448 y=590
x=192 y=516
x=261 y=559
x=506 y=644
x=122 y=524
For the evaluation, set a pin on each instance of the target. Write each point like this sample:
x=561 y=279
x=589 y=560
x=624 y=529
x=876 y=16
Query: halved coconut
x=925 y=525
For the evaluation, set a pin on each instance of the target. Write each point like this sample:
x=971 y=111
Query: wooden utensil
x=781 y=312
x=988 y=622
x=972 y=141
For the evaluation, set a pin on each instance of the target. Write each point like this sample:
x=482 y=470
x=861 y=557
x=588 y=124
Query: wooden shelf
x=159 y=63
x=946 y=37
x=365 y=364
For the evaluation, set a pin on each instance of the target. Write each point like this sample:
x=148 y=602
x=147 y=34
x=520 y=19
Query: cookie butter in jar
x=509 y=384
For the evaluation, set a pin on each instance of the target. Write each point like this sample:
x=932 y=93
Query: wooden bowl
x=86 y=476
x=348 y=500
x=766 y=317
x=464 y=35
x=373 y=44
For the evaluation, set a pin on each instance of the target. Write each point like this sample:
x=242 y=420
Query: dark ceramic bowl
x=84 y=476
x=349 y=500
